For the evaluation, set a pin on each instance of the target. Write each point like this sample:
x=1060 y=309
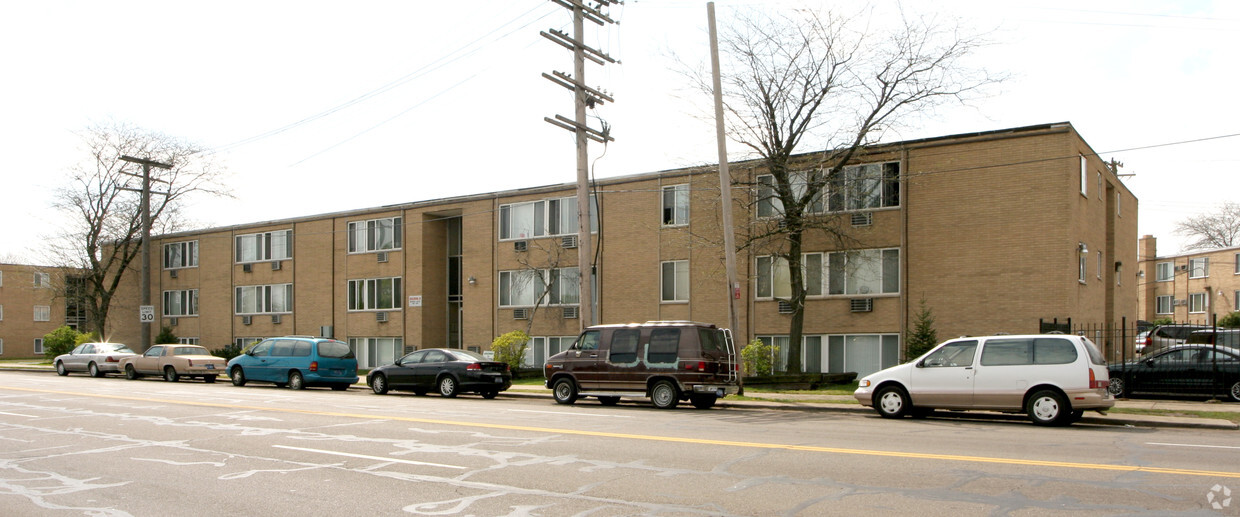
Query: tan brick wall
x=18 y=298
x=1220 y=286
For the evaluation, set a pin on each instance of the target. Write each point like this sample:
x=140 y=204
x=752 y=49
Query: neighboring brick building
x=32 y=304
x=1192 y=287
x=994 y=230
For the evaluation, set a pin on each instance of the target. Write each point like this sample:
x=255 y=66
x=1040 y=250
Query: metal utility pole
x=146 y=240
x=584 y=97
x=725 y=177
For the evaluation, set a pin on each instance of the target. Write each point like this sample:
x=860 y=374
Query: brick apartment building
x=1190 y=287
x=32 y=304
x=994 y=230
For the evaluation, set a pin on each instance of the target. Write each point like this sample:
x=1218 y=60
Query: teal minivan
x=297 y=362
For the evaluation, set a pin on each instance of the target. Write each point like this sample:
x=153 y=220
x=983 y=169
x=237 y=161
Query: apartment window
x=1198 y=302
x=525 y=288
x=1 y=313
x=864 y=272
x=372 y=352
x=42 y=280
x=676 y=205
x=2 y=278
x=181 y=254
x=374 y=294
x=42 y=313
x=541 y=218
x=1083 y=268
x=565 y=286
x=245 y=342
x=375 y=235
x=1119 y=212
x=1236 y=301
x=1162 y=305
x=1 y=346
x=873 y=185
x=769 y=203
x=1099 y=265
x=775 y=281
x=264 y=299
x=540 y=348
x=181 y=303
x=674 y=281
x=187 y=340
x=1084 y=177
x=1164 y=271
x=1199 y=267
x=257 y=247
x=1099 y=185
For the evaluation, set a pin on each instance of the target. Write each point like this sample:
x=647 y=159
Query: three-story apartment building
x=1194 y=287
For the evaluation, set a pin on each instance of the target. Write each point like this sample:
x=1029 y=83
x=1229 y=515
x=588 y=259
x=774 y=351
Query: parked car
x=297 y=362
x=1224 y=337
x=1054 y=378
x=450 y=371
x=174 y=362
x=1163 y=336
x=1196 y=369
x=666 y=361
x=97 y=359
x=1138 y=342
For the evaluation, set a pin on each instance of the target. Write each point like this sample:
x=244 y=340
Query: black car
x=1195 y=369
x=450 y=371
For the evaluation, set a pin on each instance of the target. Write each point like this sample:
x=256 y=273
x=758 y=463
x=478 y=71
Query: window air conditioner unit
x=520 y=245
x=520 y=314
x=861 y=305
x=382 y=256
x=863 y=218
x=569 y=242
x=1182 y=268
x=275 y=266
x=172 y=273
x=247 y=268
x=1178 y=303
x=783 y=223
x=785 y=307
x=172 y=322
x=571 y=313
x=246 y=320
x=275 y=318
x=381 y=317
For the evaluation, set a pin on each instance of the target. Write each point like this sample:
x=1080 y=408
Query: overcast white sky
x=406 y=101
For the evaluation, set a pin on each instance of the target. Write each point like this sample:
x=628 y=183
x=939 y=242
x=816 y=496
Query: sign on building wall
x=415 y=301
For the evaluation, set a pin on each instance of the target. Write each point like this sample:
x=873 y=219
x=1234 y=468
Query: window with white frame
x=375 y=235
x=1 y=278
x=374 y=294
x=373 y=352
x=769 y=203
x=527 y=287
x=1 y=346
x=42 y=313
x=775 y=281
x=676 y=205
x=864 y=272
x=1236 y=301
x=1236 y=262
x=264 y=299
x=258 y=247
x=38 y=345
x=1162 y=304
x=181 y=303
x=246 y=342
x=187 y=340
x=873 y=185
x=540 y=348
x=1099 y=185
x=1198 y=302
x=1119 y=197
x=1164 y=271
x=543 y=218
x=565 y=286
x=1083 y=268
x=1199 y=267
x=674 y=281
x=1084 y=176
x=179 y=255
x=859 y=353
x=1 y=313
x=1099 y=269
x=42 y=280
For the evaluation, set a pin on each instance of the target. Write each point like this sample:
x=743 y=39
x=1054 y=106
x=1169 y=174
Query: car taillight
x=473 y=366
x=700 y=366
x=314 y=366
x=1095 y=384
x=111 y=359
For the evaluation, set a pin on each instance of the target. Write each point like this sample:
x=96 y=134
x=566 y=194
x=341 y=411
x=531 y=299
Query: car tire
x=490 y=394
x=892 y=402
x=419 y=392
x=1117 y=387
x=1233 y=392
x=1049 y=408
x=447 y=386
x=93 y=369
x=703 y=401
x=296 y=381
x=60 y=369
x=210 y=379
x=609 y=401
x=170 y=374
x=237 y=375
x=379 y=385
x=340 y=387
x=664 y=395
x=565 y=391
x=130 y=372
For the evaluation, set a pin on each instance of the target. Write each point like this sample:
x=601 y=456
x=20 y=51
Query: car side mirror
x=1149 y=362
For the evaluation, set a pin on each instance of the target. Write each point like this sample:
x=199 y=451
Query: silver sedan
x=97 y=359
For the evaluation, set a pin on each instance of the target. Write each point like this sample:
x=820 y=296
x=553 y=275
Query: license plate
x=210 y=366
x=499 y=380
x=337 y=373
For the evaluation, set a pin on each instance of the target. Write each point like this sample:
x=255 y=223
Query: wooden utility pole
x=725 y=178
x=583 y=97
x=146 y=235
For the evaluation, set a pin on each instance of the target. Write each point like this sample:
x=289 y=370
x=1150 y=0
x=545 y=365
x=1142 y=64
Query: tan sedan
x=174 y=362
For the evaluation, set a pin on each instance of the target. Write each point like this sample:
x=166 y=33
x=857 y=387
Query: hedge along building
x=994 y=230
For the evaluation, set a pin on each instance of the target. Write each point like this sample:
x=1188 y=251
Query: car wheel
x=703 y=401
x=664 y=395
x=210 y=379
x=237 y=375
x=447 y=386
x=94 y=370
x=379 y=385
x=170 y=374
x=1117 y=388
x=130 y=372
x=340 y=387
x=60 y=369
x=609 y=401
x=490 y=394
x=1048 y=407
x=1234 y=391
x=295 y=381
x=564 y=391
x=892 y=402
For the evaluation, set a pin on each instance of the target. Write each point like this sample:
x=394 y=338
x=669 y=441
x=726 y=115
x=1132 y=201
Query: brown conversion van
x=666 y=361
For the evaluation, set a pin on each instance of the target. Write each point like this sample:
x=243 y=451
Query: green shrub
x=923 y=337
x=165 y=336
x=510 y=348
x=1230 y=321
x=1163 y=321
x=757 y=357
x=228 y=352
x=62 y=341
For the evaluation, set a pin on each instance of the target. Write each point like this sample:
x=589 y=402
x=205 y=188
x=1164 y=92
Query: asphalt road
x=82 y=446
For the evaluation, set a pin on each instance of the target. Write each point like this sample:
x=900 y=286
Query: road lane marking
x=567 y=413
x=675 y=439
x=17 y=414
x=1194 y=445
x=365 y=457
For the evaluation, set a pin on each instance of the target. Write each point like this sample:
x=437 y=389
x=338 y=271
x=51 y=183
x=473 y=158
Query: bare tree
x=1216 y=229
x=825 y=82
x=105 y=232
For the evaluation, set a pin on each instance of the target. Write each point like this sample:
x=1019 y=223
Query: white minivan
x=1054 y=378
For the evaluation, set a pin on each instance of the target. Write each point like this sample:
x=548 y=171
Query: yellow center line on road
x=673 y=439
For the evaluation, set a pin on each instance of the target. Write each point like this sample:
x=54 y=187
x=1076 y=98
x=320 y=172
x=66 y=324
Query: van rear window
x=335 y=349
x=711 y=339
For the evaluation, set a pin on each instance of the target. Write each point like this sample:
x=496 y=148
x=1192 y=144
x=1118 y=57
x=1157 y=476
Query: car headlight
x=864 y=383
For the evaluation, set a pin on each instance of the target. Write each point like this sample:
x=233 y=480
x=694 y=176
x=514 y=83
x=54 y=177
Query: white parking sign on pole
x=146 y=313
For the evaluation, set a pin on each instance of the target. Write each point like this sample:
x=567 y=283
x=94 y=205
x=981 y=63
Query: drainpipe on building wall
x=904 y=306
